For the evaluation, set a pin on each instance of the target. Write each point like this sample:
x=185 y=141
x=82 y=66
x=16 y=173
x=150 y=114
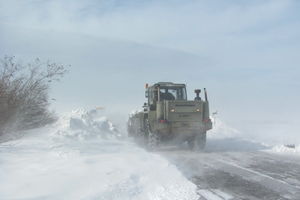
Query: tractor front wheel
x=153 y=139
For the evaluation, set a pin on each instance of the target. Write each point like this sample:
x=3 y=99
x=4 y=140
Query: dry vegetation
x=24 y=100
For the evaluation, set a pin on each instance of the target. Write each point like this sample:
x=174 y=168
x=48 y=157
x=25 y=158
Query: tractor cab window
x=173 y=94
x=170 y=93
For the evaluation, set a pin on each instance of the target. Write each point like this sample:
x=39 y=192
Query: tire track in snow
x=213 y=194
x=250 y=174
x=213 y=172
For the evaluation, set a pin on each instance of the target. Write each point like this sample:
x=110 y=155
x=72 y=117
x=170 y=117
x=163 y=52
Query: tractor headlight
x=172 y=110
x=198 y=110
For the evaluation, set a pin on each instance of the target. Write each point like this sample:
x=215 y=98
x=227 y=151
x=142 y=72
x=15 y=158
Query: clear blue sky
x=245 y=52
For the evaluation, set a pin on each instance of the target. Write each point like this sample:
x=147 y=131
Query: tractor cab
x=165 y=91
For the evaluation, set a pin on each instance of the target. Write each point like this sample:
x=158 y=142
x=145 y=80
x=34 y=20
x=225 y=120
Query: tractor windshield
x=172 y=93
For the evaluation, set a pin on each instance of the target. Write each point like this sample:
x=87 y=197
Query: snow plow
x=169 y=116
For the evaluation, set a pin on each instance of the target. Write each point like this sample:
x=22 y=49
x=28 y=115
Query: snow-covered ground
x=84 y=156
x=224 y=137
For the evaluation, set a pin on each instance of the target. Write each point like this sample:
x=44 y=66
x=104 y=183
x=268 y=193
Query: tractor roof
x=169 y=84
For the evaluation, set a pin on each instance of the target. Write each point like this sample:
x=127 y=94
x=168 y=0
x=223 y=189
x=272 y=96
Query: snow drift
x=224 y=138
x=285 y=149
x=82 y=157
x=82 y=124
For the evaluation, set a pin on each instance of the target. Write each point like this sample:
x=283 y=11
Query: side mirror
x=145 y=106
x=146 y=93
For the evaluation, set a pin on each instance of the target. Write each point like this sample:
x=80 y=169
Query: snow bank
x=82 y=124
x=80 y=157
x=284 y=149
x=225 y=138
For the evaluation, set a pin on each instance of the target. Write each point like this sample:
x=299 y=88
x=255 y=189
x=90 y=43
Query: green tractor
x=169 y=116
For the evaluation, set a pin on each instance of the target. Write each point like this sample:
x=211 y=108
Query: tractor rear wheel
x=198 y=142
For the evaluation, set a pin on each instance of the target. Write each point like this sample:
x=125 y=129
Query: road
x=238 y=171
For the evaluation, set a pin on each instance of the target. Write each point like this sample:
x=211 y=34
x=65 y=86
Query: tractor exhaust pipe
x=158 y=93
x=205 y=93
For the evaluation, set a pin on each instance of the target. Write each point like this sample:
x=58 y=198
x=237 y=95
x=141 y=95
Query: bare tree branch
x=24 y=90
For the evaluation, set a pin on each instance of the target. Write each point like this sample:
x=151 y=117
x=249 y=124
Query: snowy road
x=83 y=156
x=239 y=174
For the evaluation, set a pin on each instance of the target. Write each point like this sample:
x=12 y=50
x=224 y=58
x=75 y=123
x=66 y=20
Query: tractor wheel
x=153 y=139
x=198 y=142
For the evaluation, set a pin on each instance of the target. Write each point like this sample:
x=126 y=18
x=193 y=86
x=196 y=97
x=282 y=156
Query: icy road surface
x=241 y=171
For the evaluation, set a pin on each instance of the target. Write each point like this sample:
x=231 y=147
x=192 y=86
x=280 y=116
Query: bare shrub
x=24 y=100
